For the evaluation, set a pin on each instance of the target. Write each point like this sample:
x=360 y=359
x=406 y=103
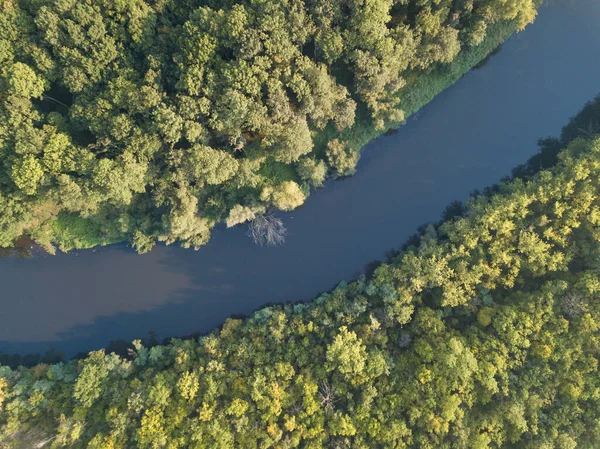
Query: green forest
x=146 y=121
x=484 y=332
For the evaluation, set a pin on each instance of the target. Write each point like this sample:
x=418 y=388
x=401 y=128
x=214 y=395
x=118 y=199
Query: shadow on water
x=182 y=300
x=23 y=248
x=484 y=62
x=470 y=136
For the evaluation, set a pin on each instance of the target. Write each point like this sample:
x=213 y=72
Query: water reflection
x=56 y=297
x=470 y=136
x=22 y=248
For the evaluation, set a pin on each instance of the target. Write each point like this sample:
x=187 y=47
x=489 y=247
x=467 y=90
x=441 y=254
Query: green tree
x=110 y=109
x=341 y=158
x=312 y=171
x=204 y=164
x=24 y=82
x=239 y=214
x=27 y=174
x=347 y=355
x=286 y=196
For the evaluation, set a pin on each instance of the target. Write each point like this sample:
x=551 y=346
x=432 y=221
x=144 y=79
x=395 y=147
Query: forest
x=482 y=333
x=146 y=121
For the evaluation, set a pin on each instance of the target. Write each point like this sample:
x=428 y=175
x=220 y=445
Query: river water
x=470 y=136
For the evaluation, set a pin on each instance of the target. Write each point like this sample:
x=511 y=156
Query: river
x=470 y=136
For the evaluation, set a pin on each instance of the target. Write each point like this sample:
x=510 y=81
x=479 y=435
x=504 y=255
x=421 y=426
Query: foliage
x=285 y=196
x=341 y=158
x=312 y=171
x=482 y=334
x=239 y=214
x=152 y=121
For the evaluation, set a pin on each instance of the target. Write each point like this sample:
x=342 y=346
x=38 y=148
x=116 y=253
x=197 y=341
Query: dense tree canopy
x=485 y=333
x=156 y=119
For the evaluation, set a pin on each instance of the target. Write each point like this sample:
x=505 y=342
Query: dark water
x=468 y=137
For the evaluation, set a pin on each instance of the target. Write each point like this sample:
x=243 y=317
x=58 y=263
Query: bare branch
x=267 y=230
x=327 y=395
x=573 y=304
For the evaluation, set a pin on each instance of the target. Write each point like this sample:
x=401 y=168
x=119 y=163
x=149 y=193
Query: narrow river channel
x=470 y=136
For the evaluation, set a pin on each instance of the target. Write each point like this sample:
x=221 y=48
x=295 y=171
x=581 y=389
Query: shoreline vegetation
x=70 y=232
x=586 y=123
x=145 y=123
x=481 y=333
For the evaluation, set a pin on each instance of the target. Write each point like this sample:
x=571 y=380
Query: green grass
x=277 y=172
x=74 y=232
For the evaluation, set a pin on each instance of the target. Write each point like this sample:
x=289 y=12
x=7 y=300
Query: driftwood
x=267 y=230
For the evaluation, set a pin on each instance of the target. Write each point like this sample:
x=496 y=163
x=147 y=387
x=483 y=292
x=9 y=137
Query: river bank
x=468 y=137
x=585 y=124
x=72 y=232
x=471 y=338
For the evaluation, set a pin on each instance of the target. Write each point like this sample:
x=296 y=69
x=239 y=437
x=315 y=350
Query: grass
x=74 y=232
x=277 y=172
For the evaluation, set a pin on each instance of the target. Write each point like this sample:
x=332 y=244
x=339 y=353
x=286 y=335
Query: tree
x=341 y=158
x=239 y=214
x=88 y=387
x=312 y=171
x=24 y=82
x=14 y=219
x=169 y=124
x=27 y=174
x=188 y=385
x=293 y=141
x=285 y=196
x=118 y=180
x=183 y=222
x=110 y=109
x=347 y=355
x=203 y=164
